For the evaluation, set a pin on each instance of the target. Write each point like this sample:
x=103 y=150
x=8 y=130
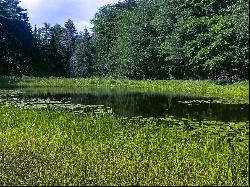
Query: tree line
x=134 y=39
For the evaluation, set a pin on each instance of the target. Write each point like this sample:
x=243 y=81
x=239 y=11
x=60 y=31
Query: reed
x=55 y=147
x=233 y=93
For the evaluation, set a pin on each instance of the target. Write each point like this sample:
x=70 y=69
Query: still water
x=128 y=103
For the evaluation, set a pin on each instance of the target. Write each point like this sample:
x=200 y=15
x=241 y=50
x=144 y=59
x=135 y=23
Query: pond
x=129 y=103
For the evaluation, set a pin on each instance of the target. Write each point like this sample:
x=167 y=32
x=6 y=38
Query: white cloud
x=80 y=25
x=58 y=11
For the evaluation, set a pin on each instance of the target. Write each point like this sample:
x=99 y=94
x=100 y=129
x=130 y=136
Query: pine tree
x=70 y=35
x=82 y=59
x=15 y=38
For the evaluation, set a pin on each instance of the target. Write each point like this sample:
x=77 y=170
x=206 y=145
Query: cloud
x=59 y=11
x=80 y=25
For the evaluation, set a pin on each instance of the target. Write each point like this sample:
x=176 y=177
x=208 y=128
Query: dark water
x=134 y=103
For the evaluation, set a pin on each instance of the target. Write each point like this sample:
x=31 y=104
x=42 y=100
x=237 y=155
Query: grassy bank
x=44 y=147
x=237 y=93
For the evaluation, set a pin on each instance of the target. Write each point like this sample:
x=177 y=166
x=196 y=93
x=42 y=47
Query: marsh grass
x=234 y=93
x=55 y=146
x=44 y=147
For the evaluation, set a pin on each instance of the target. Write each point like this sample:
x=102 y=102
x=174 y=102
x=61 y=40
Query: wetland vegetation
x=114 y=136
x=234 y=93
x=61 y=148
x=156 y=94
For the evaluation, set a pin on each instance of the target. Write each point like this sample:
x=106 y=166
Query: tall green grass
x=45 y=147
x=233 y=93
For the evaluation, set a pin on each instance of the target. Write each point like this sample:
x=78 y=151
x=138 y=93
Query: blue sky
x=58 y=11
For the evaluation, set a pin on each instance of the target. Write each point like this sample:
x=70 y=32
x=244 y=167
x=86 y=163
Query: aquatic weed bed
x=57 y=147
x=233 y=93
x=125 y=103
x=45 y=142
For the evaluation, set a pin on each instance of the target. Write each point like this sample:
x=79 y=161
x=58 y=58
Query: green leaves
x=15 y=38
x=81 y=63
x=135 y=39
x=159 y=39
x=41 y=147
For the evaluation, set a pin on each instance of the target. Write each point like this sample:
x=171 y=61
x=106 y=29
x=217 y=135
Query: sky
x=59 y=11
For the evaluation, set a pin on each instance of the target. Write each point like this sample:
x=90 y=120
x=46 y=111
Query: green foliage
x=81 y=64
x=233 y=93
x=15 y=39
x=44 y=147
x=134 y=39
x=55 y=46
x=178 y=39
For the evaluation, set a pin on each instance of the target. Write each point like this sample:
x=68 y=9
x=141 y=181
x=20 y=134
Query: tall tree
x=83 y=57
x=15 y=38
x=58 y=50
x=178 y=39
x=70 y=35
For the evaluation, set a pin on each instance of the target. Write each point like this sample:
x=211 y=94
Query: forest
x=156 y=93
x=132 y=39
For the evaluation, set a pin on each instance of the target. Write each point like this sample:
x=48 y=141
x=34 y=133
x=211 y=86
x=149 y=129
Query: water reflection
x=130 y=103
